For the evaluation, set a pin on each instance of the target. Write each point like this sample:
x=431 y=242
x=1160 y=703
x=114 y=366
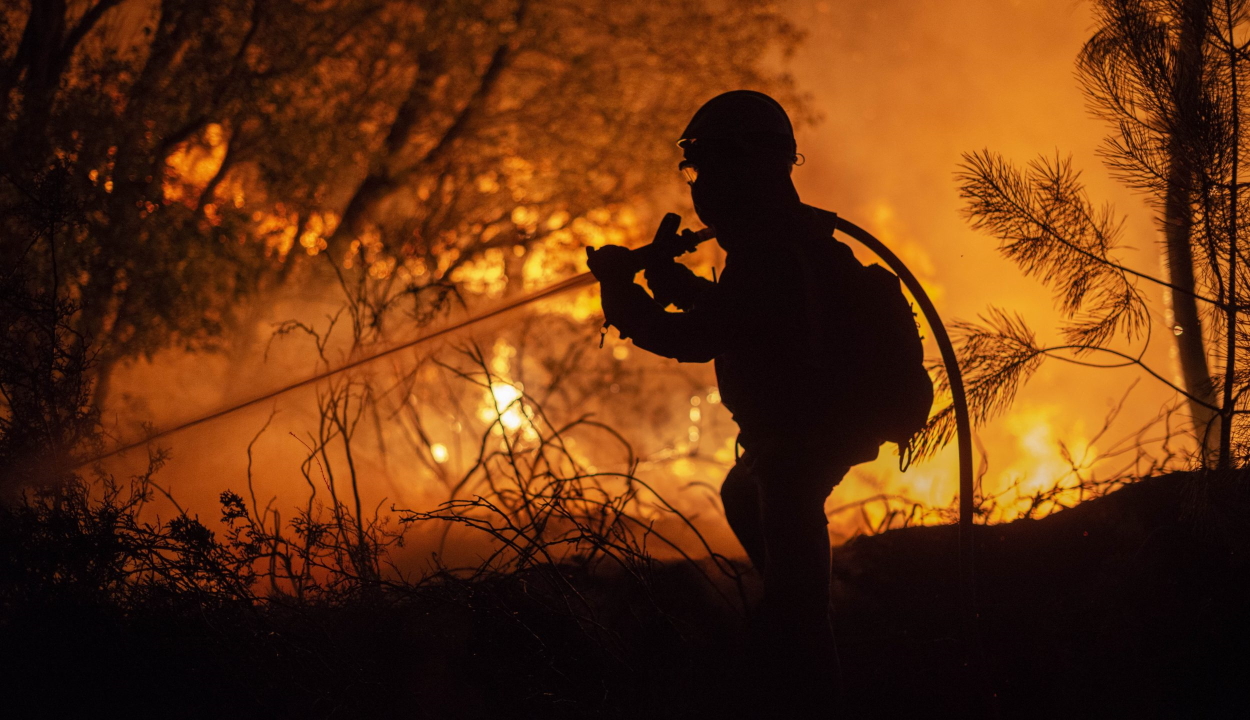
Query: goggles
x=744 y=147
x=689 y=170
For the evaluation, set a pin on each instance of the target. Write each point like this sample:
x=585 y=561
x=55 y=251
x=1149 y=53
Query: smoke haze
x=902 y=89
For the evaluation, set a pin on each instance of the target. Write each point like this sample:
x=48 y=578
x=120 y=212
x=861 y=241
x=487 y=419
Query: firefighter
x=761 y=324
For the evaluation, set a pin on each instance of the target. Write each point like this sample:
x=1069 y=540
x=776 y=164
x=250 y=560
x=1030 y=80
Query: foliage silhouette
x=1167 y=75
x=212 y=148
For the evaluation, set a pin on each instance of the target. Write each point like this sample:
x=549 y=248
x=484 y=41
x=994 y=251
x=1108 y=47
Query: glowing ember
x=439 y=452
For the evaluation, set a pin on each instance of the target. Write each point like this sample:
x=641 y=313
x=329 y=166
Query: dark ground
x=1133 y=605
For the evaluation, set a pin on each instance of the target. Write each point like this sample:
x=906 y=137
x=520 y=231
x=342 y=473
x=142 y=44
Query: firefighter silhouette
x=764 y=325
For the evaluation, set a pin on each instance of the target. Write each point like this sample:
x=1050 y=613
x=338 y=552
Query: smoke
x=902 y=89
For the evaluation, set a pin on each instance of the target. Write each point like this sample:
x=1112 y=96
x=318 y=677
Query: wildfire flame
x=871 y=160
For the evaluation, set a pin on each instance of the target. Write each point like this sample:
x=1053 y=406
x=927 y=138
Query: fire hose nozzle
x=668 y=243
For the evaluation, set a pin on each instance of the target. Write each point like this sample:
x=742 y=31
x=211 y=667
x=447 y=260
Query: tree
x=213 y=150
x=1167 y=75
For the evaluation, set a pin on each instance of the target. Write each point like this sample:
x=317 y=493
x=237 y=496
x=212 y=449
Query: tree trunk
x=1228 y=400
x=1178 y=226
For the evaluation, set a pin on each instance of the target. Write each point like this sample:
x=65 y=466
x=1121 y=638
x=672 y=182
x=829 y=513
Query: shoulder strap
x=826 y=220
x=826 y=224
x=826 y=271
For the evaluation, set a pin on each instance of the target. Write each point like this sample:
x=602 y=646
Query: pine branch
x=996 y=358
x=1046 y=224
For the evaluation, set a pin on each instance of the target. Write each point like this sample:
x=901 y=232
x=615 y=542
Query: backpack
x=864 y=328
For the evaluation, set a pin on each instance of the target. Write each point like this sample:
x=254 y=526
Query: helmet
x=743 y=120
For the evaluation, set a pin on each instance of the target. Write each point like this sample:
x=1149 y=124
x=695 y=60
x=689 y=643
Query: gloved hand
x=667 y=244
x=612 y=264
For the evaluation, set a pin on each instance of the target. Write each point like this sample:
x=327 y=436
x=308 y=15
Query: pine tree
x=1167 y=76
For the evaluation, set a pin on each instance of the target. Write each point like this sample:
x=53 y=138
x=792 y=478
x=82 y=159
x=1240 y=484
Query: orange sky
x=905 y=87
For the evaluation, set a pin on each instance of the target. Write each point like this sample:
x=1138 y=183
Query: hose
x=963 y=425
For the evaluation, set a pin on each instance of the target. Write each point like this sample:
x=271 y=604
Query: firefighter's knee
x=787 y=509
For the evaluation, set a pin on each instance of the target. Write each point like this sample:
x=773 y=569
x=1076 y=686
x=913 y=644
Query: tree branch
x=379 y=183
x=1128 y=360
x=84 y=26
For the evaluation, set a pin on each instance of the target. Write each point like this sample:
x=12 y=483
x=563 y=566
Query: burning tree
x=1167 y=75
x=211 y=151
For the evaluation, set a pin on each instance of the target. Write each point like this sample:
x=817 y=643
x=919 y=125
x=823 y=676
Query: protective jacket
x=765 y=324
